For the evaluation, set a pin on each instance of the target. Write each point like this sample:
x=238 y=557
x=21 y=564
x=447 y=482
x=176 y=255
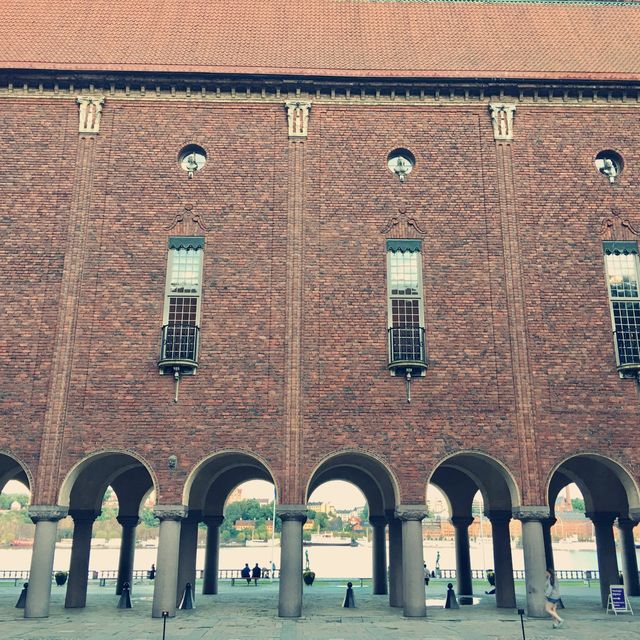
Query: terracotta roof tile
x=408 y=38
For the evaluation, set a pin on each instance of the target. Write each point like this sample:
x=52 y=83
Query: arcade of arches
x=610 y=493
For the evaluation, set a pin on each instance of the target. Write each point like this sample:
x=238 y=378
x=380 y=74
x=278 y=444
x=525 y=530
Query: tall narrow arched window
x=181 y=321
x=407 y=352
x=623 y=284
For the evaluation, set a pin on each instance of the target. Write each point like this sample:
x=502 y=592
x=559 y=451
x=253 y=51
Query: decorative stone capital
x=170 y=511
x=377 y=521
x=213 y=521
x=50 y=513
x=296 y=512
x=531 y=513
x=499 y=516
x=604 y=518
x=502 y=118
x=298 y=117
x=84 y=515
x=634 y=514
x=128 y=521
x=407 y=512
x=90 y=112
x=461 y=522
x=626 y=524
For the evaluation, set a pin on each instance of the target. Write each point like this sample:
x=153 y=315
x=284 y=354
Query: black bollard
x=349 y=598
x=451 y=602
x=187 y=598
x=23 y=596
x=125 y=597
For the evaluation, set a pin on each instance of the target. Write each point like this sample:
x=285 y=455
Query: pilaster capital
x=499 y=516
x=462 y=522
x=128 y=521
x=411 y=512
x=90 y=113
x=298 y=118
x=378 y=521
x=213 y=521
x=531 y=513
x=84 y=515
x=170 y=511
x=51 y=513
x=603 y=518
x=295 y=512
x=502 y=119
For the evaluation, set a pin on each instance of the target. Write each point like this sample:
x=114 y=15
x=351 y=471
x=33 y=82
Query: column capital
x=498 y=516
x=194 y=515
x=84 y=515
x=90 y=113
x=296 y=512
x=634 y=514
x=531 y=513
x=378 y=521
x=170 y=511
x=51 y=513
x=605 y=518
x=461 y=521
x=626 y=523
x=128 y=521
x=213 y=521
x=408 y=512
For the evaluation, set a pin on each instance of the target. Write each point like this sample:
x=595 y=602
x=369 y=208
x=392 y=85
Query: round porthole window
x=401 y=162
x=192 y=158
x=609 y=163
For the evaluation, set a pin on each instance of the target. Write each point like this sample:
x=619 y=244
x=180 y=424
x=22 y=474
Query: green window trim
x=620 y=246
x=404 y=246
x=186 y=242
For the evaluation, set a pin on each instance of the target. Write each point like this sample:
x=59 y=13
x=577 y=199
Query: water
x=327 y=562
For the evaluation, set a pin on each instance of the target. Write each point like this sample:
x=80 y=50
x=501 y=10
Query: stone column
x=547 y=523
x=188 y=548
x=290 y=593
x=212 y=554
x=628 y=556
x=502 y=561
x=395 y=561
x=412 y=560
x=166 y=581
x=534 y=559
x=606 y=551
x=127 y=551
x=463 y=559
x=379 y=554
x=44 y=546
x=76 y=596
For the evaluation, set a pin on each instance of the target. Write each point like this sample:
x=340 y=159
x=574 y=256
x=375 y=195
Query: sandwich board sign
x=618 y=601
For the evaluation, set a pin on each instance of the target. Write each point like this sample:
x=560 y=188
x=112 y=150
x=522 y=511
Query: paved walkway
x=242 y=612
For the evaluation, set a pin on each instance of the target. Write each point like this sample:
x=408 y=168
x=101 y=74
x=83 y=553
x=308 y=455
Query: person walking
x=552 y=595
x=427 y=575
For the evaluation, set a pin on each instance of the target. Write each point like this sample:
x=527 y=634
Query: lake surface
x=327 y=562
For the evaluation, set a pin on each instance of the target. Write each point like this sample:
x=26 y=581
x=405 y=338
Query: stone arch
x=127 y=472
x=606 y=484
x=367 y=472
x=13 y=468
x=214 y=477
x=466 y=472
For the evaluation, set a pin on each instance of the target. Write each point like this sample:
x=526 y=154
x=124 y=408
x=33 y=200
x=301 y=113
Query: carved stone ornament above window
x=90 y=113
x=502 y=114
x=403 y=226
x=617 y=227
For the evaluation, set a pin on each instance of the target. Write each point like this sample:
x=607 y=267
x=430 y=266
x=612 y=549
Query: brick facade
x=511 y=232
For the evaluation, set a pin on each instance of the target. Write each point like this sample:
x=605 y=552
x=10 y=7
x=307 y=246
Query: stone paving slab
x=242 y=612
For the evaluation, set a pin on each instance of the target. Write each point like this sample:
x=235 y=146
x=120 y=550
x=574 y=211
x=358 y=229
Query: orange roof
x=352 y=38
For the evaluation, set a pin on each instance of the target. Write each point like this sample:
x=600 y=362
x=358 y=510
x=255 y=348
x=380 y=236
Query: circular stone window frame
x=200 y=158
x=392 y=162
x=616 y=161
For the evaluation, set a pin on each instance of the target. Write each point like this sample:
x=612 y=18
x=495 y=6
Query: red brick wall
x=465 y=402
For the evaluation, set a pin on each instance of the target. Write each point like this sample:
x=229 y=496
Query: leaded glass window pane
x=185 y=271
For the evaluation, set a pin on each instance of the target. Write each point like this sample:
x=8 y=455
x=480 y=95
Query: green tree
x=577 y=504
